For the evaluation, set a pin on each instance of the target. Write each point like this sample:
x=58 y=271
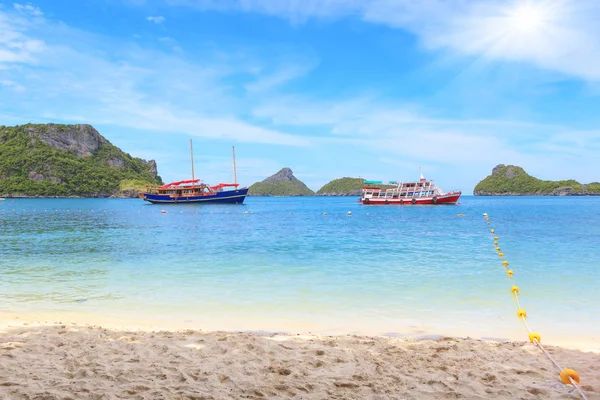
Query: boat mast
x=192 y=157
x=234 y=171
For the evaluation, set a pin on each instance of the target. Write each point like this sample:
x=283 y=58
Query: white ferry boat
x=406 y=193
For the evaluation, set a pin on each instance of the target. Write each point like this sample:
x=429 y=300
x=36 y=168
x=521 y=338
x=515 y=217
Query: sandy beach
x=59 y=361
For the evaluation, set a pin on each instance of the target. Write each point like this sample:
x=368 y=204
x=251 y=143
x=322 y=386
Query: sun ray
x=527 y=18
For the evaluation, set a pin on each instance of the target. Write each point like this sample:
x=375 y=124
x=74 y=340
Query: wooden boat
x=194 y=191
x=406 y=193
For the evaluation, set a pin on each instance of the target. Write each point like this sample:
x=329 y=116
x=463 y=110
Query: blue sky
x=329 y=88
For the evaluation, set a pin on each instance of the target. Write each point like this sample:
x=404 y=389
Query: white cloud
x=15 y=46
x=69 y=78
x=566 y=37
x=159 y=19
x=12 y=85
x=398 y=133
x=285 y=71
x=28 y=8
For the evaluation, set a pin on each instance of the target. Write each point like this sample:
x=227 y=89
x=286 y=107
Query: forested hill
x=48 y=160
x=342 y=187
x=511 y=180
x=283 y=183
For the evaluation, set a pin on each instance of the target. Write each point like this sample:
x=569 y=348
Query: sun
x=527 y=18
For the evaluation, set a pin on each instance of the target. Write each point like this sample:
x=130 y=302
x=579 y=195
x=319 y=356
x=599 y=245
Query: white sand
x=84 y=362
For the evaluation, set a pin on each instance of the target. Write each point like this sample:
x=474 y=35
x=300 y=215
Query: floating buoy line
x=567 y=375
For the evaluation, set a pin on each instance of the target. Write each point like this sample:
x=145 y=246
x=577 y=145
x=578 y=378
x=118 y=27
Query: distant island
x=55 y=160
x=283 y=183
x=511 y=180
x=342 y=187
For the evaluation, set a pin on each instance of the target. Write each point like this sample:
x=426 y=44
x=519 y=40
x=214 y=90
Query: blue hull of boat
x=227 y=196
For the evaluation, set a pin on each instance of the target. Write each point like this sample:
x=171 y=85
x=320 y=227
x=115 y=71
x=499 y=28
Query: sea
x=299 y=265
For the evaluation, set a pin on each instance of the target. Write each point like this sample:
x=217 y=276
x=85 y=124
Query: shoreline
x=235 y=324
x=59 y=361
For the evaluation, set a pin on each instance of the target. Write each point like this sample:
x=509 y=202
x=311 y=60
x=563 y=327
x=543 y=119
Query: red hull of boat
x=450 y=199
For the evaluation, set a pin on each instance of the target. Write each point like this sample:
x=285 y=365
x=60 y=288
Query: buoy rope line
x=567 y=375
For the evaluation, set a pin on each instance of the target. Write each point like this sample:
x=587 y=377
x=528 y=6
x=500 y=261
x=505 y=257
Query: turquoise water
x=282 y=264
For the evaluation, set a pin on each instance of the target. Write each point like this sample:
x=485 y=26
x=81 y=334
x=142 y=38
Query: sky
x=330 y=88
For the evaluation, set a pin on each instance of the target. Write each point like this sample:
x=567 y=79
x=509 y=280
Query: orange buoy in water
x=163 y=211
x=567 y=373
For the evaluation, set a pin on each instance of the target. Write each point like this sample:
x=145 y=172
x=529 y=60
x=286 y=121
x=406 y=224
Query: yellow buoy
x=535 y=336
x=505 y=263
x=496 y=238
x=491 y=230
x=495 y=243
x=509 y=273
x=521 y=314
x=500 y=255
x=497 y=248
x=515 y=289
x=567 y=373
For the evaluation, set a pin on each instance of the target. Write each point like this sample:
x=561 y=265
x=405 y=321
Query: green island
x=511 y=180
x=283 y=183
x=342 y=187
x=55 y=160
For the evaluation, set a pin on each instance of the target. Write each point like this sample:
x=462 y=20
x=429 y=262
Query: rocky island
x=283 y=183
x=55 y=160
x=511 y=180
